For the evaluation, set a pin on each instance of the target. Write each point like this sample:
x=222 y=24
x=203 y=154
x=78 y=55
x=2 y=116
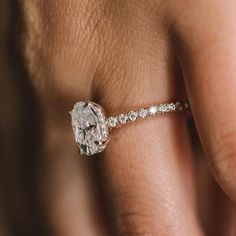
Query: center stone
x=89 y=126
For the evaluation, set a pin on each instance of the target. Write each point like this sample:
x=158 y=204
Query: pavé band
x=117 y=121
x=92 y=128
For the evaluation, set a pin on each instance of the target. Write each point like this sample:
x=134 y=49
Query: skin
x=153 y=178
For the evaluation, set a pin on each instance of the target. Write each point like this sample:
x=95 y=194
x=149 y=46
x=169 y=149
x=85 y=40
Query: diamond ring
x=92 y=128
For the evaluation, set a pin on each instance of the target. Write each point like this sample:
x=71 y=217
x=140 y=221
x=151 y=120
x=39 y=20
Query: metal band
x=134 y=115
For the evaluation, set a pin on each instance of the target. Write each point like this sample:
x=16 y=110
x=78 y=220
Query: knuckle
x=55 y=42
x=134 y=223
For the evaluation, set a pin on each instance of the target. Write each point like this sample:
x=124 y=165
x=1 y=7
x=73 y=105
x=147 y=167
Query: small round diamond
x=104 y=130
x=171 y=107
x=113 y=121
x=143 y=113
x=161 y=108
x=123 y=118
x=152 y=110
x=186 y=105
x=179 y=106
x=133 y=115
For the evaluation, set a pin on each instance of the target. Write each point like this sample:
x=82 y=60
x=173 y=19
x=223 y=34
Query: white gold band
x=122 y=119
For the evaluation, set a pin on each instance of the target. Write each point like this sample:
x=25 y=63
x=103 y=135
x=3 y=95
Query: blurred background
x=20 y=212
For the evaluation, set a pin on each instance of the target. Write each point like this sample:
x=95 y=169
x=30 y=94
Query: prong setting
x=90 y=129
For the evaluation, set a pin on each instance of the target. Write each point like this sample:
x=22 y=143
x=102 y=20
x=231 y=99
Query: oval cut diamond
x=89 y=126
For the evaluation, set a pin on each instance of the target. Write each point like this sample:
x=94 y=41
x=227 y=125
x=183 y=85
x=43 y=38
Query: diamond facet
x=89 y=126
x=133 y=115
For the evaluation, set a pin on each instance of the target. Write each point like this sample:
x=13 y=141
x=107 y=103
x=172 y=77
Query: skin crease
x=125 y=55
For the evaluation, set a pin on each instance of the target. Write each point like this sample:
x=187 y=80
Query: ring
x=92 y=128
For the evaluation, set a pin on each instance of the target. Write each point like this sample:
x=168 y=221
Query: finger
x=147 y=180
x=147 y=165
x=208 y=58
x=215 y=208
x=71 y=200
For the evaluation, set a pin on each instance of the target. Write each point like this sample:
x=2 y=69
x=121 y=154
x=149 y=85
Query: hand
x=152 y=178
